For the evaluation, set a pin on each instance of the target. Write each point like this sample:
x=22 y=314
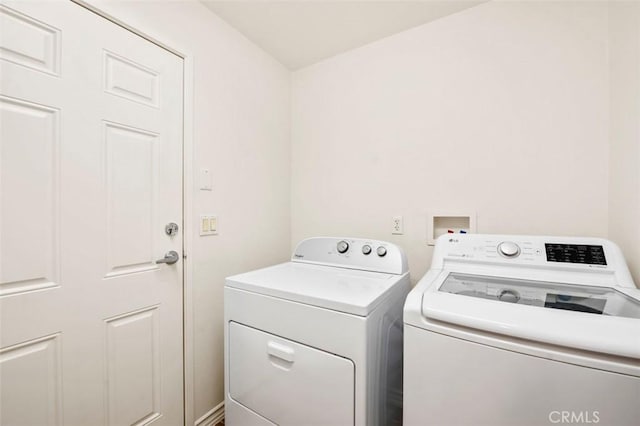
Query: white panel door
x=90 y=174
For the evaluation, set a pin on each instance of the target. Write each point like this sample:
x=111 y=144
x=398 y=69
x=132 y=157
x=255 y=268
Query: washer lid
x=571 y=297
x=340 y=289
x=599 y=319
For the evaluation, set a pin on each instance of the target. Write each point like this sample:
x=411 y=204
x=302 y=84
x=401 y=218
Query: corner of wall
x=624 y=130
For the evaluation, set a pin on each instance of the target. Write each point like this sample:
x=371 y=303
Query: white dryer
x=521 y=330
x=317 y=340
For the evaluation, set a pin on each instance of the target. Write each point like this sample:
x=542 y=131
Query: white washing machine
x=520 y=330
x=317 y=340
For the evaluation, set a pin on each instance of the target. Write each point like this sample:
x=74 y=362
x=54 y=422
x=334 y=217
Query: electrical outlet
x=397 y=227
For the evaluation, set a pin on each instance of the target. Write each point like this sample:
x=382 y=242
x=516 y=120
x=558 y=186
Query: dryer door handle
x=281 y=351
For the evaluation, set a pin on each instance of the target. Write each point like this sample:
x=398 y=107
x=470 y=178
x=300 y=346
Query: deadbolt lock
x=171 y=229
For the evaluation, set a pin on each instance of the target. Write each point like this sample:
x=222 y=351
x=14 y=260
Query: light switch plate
x=205 y=180
x=208 y=224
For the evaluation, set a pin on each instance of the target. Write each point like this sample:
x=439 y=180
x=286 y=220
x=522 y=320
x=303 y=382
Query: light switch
x=208 y=225
x=205 y=180
x=204 y=224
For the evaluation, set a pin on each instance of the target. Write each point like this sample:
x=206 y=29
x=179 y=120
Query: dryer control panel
x=353 y=253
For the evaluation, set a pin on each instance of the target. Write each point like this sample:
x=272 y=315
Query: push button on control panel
x=508 y=249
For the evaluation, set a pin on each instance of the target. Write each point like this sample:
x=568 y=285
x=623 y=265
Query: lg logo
x=580 y=417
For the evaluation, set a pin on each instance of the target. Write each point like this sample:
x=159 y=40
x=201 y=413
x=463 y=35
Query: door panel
x=132 y=192
x=132 y=81
x=91 y=157
x=36 y=366
x=133 y=351
x=29 y=43
x=29 y=185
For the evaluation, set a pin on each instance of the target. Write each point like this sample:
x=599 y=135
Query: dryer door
x=289 y=383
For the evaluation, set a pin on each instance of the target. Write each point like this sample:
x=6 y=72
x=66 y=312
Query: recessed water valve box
x=449 y=223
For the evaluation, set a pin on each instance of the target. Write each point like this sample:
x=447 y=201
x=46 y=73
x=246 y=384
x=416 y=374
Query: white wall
x=242 y=133
x=624 y=185
x=501 y=109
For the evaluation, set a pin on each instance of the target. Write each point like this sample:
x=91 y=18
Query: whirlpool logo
x=574 y=417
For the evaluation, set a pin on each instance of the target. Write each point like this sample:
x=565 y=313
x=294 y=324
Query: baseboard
x=212 y=417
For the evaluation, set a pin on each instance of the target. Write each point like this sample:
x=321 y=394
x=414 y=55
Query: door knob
x=169 y=258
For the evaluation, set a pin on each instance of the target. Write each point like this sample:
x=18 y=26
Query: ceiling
x=302 y=32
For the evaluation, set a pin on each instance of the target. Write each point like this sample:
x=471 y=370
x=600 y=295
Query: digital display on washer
x=576 y=253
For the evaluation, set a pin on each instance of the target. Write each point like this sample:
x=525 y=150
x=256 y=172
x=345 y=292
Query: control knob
x=382 y=251
x=366 y=249
x=508 y=249
x=343 y=246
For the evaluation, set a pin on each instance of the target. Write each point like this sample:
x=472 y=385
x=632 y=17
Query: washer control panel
x=589 y=252
x=543 y=253
x=354 y=253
